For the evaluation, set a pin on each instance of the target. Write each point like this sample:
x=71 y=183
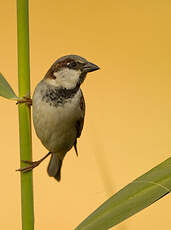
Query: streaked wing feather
x=80 y=123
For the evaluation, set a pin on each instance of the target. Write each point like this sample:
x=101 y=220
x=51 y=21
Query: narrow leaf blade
x=136 y=196
x=6 y=90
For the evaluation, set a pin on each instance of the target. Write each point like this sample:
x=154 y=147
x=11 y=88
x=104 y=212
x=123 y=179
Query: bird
x=58 y=109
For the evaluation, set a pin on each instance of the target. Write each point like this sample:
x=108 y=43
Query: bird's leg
x=33 y=164
x=26 y=100
x=75 y=147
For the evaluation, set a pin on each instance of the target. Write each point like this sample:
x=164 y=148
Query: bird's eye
x=72 y=64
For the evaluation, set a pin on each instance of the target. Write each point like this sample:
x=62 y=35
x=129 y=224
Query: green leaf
x=6 y=90
x=136 y=196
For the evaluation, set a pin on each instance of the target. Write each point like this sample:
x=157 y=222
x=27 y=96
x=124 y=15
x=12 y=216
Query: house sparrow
x=59 y=109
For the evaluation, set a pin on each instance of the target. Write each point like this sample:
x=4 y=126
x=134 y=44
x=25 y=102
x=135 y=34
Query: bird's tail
x=54 y=167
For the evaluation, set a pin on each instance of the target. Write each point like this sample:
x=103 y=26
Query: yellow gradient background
x=128 y=118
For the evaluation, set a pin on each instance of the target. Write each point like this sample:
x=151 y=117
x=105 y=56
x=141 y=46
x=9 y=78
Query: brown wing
x=79 y=124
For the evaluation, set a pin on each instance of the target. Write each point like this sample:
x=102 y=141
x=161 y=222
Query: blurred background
x=128 y=119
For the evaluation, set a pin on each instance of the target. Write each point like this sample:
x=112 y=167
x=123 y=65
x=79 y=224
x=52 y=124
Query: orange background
x=128 y=119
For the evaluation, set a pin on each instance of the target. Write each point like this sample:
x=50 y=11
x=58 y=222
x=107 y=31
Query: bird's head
x=69 y=71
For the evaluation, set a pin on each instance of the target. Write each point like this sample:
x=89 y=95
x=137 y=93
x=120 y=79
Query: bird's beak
x=90 y=67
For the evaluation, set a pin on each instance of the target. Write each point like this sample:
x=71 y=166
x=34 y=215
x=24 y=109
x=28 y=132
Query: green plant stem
x=24 y=114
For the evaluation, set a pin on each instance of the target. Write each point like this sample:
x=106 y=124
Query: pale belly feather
x=55 y=126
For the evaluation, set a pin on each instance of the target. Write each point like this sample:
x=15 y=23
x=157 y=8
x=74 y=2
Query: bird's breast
x=55 y=125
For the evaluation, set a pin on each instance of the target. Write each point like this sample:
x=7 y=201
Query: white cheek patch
x=67 y=78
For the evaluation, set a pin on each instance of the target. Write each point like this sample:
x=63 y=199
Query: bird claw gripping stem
x=32 y=164
x=25 y=100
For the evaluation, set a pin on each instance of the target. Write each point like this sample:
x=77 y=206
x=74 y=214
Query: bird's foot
x=33 y=164
x=26 y=100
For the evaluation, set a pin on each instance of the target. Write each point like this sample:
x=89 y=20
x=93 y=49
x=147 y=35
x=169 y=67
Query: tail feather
x=54 y=167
